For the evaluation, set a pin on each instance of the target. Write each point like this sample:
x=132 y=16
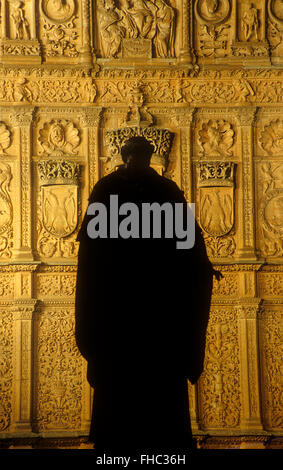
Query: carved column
x=85 y=49
x=246 y=241
x=90 y=120
x=185 y=46
x=249 y=359
x=23 y=310
x=21 y=120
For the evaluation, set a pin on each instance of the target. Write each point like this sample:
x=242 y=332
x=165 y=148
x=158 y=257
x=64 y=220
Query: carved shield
x=217 y=210
x=60 y=209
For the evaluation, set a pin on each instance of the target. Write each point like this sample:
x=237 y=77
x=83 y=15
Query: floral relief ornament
x=5 y=138
x=216 y=138
x=59 y=137
x=271 y=138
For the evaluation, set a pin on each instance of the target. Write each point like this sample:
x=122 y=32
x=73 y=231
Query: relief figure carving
x=21 y=24
x=59 y=137
x=138 y=20
x=250 y=23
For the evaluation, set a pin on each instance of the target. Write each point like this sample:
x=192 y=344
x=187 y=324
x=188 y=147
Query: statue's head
x=137 y=152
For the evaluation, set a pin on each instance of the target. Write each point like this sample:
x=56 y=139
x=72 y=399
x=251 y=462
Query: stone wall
x=202 y=81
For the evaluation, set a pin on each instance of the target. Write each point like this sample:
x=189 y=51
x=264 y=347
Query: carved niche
x=19 y=42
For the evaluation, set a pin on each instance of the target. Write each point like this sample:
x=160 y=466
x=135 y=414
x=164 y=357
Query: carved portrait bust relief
x=212 y=11
x=58 y=11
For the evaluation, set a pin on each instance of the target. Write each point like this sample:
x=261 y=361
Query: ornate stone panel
x=219 y=386
x=58 y=393
x=202 y=80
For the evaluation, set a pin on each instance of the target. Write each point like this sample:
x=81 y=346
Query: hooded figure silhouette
x=142 y=309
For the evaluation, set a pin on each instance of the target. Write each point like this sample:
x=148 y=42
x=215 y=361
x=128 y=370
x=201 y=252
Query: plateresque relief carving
x=216 y=137
x=161 y=139
x=59 y=137
x=271 y=137
x=136 y=28
x=58 y=208
x=270 y=217
x=6 y=211
x=5 y=138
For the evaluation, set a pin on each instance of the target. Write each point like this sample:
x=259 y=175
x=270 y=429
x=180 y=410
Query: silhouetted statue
x=141 y=315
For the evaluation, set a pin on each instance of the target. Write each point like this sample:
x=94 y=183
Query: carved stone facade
x=202 y=81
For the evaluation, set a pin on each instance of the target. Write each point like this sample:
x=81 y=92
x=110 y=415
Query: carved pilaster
x=246 y=247
x=183 y=119
x=21 y=118
x=90 y=120
x=193 y=407
x=23 y=311
x=248 y=310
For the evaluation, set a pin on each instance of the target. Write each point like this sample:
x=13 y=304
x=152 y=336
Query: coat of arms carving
x=58 y=207
x=216 y=192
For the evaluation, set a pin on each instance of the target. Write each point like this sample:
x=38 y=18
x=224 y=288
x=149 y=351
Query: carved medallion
x=59 y=137
x=58 y=11
x=212 y=11
x=273 y=211
x=275 y=8
x=216 y=192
